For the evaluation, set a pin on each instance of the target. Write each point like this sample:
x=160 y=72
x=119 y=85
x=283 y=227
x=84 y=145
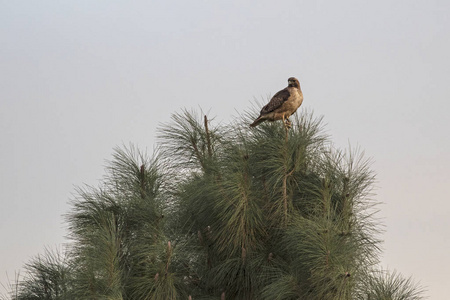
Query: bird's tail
x=257 y=122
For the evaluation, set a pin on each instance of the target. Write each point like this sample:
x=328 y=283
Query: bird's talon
x=288 y=123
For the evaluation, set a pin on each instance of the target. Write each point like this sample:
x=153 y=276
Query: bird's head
x=293 y=82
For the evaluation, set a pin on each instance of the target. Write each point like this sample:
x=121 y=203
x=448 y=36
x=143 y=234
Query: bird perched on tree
x=282 y=105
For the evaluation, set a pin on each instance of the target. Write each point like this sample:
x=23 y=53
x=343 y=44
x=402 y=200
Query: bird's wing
x=277 y=100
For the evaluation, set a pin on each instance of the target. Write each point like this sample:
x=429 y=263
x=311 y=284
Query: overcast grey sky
x=78 y=78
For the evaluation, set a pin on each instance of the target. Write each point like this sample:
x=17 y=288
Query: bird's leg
x=288 y=123
x=286 y=127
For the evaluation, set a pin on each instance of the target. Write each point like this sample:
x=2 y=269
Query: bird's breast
x=296 y=98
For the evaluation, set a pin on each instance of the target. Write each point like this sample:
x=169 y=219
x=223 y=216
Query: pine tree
x=228 y=212
x=277 y=215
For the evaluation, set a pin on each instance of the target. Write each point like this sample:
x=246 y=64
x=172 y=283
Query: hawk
x=282 y=105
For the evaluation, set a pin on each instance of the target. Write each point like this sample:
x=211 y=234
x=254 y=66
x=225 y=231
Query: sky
x=80 y=78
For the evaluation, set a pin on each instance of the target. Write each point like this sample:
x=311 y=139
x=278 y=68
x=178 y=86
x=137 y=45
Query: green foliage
x=228 y=212
x=48 y=276
x=384 y=285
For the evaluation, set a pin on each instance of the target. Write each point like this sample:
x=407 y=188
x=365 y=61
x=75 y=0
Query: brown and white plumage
x=282 y=105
